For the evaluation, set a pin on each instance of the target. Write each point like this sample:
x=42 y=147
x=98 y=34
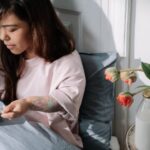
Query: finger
x=9 y=115
x=17 y=108
x=8 y=108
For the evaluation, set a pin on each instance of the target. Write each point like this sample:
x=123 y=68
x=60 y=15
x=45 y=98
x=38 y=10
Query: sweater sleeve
x=70 y=87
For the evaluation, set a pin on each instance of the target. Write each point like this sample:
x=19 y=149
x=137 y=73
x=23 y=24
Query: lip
x=10 y=46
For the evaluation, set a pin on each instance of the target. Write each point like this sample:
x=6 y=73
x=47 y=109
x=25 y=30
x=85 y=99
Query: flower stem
x=137 y=92
x=141 y=90
x=131 y=69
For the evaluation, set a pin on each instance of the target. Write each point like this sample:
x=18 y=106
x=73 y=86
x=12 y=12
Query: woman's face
x=16 y=35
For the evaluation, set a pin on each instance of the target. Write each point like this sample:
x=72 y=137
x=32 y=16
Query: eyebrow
x=11 y=25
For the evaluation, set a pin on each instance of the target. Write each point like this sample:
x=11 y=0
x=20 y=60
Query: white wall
x=139 y=46
x=142 y=30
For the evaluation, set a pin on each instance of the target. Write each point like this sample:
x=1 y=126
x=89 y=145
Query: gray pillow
x=97 y=109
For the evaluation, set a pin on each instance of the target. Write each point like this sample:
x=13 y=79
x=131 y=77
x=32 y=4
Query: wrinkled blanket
x=19 y=134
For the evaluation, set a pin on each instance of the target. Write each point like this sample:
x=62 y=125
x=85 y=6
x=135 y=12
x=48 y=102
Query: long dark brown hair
x=51 y=40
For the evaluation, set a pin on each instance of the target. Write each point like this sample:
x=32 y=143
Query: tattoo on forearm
x=40 y=103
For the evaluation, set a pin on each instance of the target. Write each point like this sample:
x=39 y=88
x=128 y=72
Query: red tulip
x=125 y=99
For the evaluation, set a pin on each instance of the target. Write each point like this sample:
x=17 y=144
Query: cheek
x=25 y=41
x=28 y=38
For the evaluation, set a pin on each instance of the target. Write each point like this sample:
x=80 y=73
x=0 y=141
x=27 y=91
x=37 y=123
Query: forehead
x=10 y=19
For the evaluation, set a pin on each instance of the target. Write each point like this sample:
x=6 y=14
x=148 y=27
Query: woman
x=42 y=78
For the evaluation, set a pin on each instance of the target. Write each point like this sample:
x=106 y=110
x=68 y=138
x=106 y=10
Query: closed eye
x=9 y=28
x=12 y=29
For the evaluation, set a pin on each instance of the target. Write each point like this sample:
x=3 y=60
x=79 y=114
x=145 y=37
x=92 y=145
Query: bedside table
x=130 y=138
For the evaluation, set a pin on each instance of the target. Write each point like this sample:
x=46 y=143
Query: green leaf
x=146 y=69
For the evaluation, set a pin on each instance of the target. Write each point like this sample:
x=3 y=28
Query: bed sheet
x=19 y=134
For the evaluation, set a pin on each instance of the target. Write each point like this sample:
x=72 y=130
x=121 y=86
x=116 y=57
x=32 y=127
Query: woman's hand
x=15 y=109
x=19 y=107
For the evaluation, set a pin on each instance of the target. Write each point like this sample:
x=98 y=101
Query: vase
x=142 y=126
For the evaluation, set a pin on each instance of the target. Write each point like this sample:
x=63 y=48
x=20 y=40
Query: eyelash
x=12 y=30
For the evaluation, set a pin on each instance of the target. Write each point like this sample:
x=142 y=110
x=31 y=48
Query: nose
x=3 y=35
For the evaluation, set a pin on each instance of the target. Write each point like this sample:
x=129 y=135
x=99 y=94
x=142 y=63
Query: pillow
x=97 y=109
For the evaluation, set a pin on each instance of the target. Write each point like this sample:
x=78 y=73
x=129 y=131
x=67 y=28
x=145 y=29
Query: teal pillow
x=97 y=109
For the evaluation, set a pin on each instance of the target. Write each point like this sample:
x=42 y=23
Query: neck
x=30 y=55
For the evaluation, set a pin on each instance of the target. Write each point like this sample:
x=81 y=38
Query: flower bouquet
x=129 y=76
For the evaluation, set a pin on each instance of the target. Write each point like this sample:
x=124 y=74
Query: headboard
x=97 y=109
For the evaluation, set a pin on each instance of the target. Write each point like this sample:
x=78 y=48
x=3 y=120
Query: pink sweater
x=64 y=81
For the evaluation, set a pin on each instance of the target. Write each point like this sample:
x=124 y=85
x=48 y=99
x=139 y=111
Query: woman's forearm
x=43 y=103
x=19 y=107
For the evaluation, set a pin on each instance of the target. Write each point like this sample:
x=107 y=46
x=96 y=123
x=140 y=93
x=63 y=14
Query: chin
x=15 y=52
